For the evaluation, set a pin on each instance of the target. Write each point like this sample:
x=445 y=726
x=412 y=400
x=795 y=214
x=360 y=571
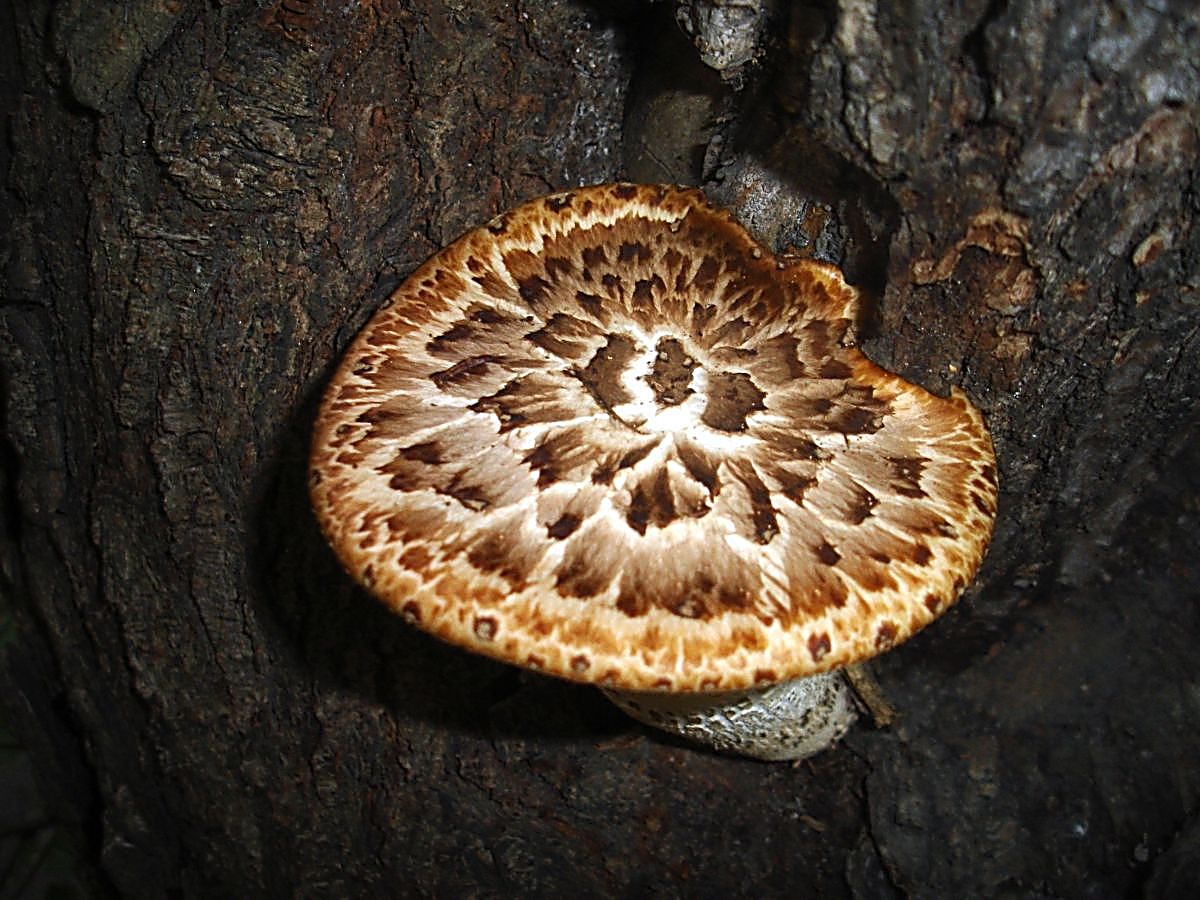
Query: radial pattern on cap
x=610 y=437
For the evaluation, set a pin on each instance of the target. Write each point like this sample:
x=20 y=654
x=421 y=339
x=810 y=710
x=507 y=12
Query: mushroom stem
x=789 y=720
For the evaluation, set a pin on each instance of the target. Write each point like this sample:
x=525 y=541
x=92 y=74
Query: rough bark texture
x=205 y=201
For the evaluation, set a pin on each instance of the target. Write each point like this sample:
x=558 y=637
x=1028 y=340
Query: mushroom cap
x=609 y=437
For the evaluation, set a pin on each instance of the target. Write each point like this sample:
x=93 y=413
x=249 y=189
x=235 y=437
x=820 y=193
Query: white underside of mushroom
x=789 y=720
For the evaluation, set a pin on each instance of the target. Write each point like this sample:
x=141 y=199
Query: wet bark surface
x=205 y=201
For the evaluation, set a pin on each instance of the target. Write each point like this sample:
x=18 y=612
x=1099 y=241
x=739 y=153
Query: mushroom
x=609 y=437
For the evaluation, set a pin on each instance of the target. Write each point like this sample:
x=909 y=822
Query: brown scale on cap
x=610 y=433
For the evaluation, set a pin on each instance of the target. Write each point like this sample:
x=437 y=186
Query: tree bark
x=206 y=201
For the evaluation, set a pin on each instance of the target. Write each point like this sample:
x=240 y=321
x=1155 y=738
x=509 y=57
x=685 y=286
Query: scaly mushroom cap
x=609 y=437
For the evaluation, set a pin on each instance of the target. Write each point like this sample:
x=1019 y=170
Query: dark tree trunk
x=204 y=201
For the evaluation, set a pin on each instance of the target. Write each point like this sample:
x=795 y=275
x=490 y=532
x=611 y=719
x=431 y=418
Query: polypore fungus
x=609 y=437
